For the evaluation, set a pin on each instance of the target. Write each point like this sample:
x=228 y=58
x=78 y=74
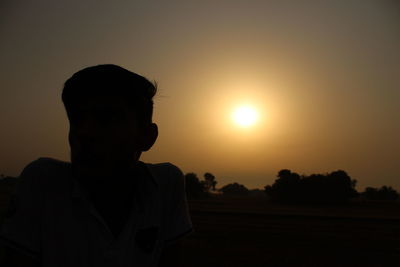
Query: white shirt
x=50 y=218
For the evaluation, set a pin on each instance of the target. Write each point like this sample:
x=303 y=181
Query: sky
x=324 y=77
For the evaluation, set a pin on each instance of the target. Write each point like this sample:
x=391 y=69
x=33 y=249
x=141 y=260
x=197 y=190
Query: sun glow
x=245 y=116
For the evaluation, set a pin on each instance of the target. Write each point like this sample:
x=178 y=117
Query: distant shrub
x=7 y=184
x=334 y=187
x=383 y=193
x=8 y=180
x=256 y=193
x=194 y=187
x=209 y=182
x=234 y=189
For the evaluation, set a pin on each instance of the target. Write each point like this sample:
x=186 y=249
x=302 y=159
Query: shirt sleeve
x=178 y=219
x=21 y=226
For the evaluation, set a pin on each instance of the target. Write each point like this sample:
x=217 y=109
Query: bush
x=235 y=189
x=383 y=193
x=194 y=187
x=335 y=187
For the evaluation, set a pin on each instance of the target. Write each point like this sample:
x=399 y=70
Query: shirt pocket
x=148 y=245
x=146 y=238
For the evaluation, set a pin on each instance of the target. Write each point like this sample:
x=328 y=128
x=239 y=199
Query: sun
x=245 y=116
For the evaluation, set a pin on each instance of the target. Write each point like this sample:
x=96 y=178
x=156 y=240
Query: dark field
x=254 y=232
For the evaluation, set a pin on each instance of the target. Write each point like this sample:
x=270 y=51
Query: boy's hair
x=111 y=80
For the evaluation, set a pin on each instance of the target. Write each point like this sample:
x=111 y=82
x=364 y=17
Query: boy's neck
x=118 y=175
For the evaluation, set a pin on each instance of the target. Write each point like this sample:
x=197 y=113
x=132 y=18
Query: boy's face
x=105 y=136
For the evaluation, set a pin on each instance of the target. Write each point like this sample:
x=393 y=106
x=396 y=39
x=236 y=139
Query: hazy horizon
x=324 y=77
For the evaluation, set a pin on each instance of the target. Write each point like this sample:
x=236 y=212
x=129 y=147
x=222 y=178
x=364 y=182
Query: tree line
x=290 y=187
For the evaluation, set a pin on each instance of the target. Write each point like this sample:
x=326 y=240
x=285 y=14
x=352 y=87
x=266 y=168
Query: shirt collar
x=78 y=191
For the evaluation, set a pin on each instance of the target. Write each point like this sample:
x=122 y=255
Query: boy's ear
x=150 y=136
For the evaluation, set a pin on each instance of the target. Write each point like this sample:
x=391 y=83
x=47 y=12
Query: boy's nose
x=85 y=148
x=87 y=127
x=84 y=134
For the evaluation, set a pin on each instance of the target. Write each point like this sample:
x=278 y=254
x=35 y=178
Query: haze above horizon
x=323 y=79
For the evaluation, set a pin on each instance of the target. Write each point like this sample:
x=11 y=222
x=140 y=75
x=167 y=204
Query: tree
x=256 y=193
x=285 y=188
x=210 y=181
x=383 y=193
x=334 y=187
x=388 y=193
x=194 y=188
x=235 y=189
x=7 y=184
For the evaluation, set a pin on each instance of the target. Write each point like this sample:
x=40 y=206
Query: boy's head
x=110 y=114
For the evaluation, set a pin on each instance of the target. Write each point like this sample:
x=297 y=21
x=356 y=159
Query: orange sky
x=324 y=76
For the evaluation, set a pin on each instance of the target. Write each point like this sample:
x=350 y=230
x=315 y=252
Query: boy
x=105 y=208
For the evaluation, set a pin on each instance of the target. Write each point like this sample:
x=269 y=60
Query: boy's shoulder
x=46 y=172
x=165 y=173
x=45 y=165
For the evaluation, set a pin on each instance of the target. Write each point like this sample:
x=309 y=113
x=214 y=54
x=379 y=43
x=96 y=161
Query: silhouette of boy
x=105 y=208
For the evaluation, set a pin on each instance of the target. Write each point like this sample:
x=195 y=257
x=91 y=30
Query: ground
x=254 y=232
